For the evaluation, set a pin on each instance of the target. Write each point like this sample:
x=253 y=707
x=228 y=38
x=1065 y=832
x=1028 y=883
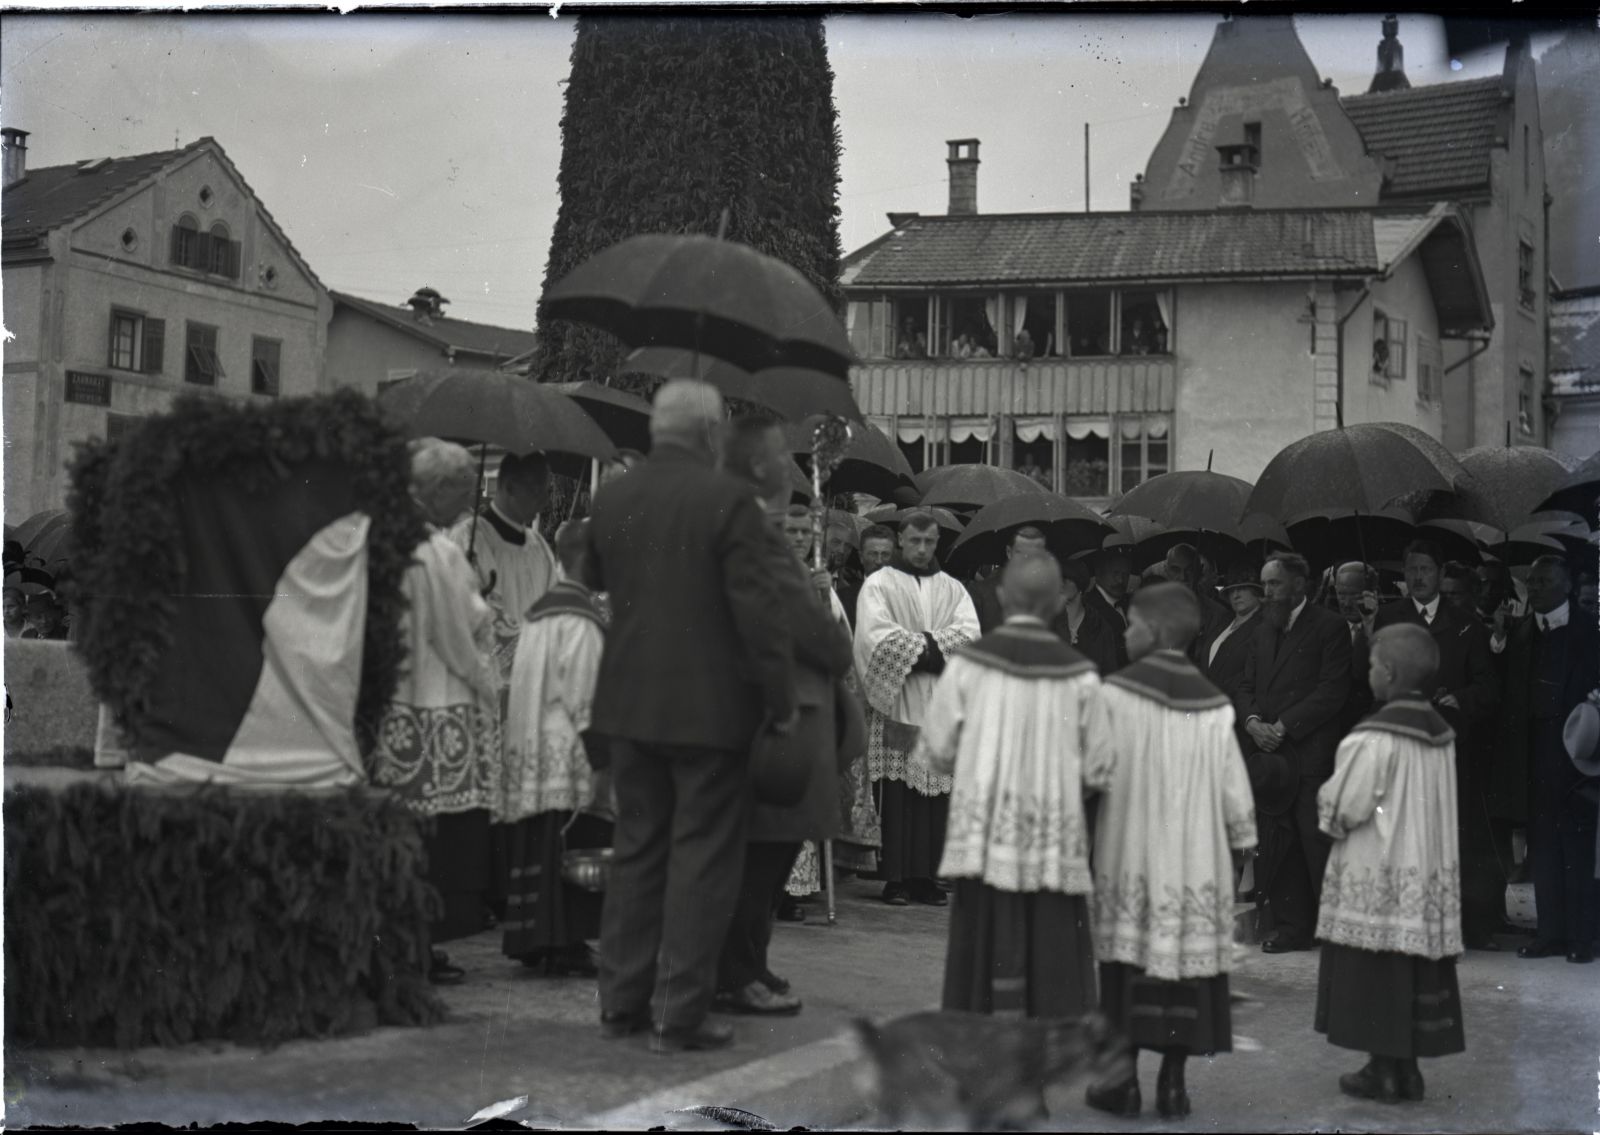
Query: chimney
x=426 y=304
x=15 y=143
x=1136 y=193
x=963 y=163
x=1238 y=168
x=1391 y=74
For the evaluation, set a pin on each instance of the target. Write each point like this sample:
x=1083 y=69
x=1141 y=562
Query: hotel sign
x=88 y=389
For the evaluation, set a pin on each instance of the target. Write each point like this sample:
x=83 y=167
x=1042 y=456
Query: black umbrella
x=707 y=295
x=1506 y=485
x=895 y=515
x=1579 y=492
x=872 y=463
x=969 y=486
x=1191 y=501
x=40 y=523
x=624 y=417
x=1068 y=527
x=791 y=392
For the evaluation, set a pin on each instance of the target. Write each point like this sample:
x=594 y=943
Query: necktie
x=1544 y=625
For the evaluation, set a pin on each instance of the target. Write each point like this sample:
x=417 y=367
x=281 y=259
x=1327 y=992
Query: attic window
x=206 y=196
x=130 y=240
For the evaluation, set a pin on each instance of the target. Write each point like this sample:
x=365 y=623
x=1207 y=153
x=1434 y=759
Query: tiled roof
x=1439 y=135
x=48 y=198
x=1063 y=247
x=1575 y=341
x=476 y=338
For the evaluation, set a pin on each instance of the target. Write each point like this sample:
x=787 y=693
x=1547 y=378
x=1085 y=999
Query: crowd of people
x=33 y=604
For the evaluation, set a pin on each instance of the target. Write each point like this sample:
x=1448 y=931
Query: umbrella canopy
x=1550 y=534
x=791 y=392
x=699 y=293
x=1068 y=527
x=1579 y=492
x=1360 y=468
x=1378 y=538
x=1504 y=487
x=1191 y=501
x=972 y=486
x=624 y=417
x=890 y=514
x=872 y=463
x=40 y=523
x=495 y=408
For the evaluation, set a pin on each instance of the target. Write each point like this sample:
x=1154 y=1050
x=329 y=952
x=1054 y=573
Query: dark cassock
x=1008 y=722
x=908 y=621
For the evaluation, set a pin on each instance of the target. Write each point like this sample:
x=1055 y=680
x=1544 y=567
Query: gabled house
x=129 y=280
x=371 y=343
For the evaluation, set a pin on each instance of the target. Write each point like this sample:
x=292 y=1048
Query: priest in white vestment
x=1177 y=801
x=1390 y=917
x=910 y=618
x=1008 y=721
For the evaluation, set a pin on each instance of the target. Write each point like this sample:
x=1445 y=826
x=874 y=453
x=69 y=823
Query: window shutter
x=111 y=344
x=155 y=337
x=233 y=259
x=177 y=245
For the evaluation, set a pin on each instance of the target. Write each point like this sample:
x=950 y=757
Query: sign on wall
x=88 y=389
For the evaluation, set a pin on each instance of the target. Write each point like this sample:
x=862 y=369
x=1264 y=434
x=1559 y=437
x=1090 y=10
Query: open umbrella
x=968 y=486
x=1579 y=492
x=1190 y=501
x=894 y=515
x=791 y=392
x=1360 y=469
x=1068 y=527
x=707 y=295
x=872 y=463
x=624 y=417
x=39 y=524
x=1547 y=534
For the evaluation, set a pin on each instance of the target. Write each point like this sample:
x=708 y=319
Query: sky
x=405 y=150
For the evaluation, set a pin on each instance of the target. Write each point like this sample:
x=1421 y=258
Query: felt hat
x=1582 y=737
x=1244 y=579
x=1272 y=781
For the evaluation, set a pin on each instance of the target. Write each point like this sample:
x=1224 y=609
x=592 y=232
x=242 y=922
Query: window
x=1388 y=347
x=967 y=327
x=1525 y=273
x=1033 y=326
x=1143 y=449
x=211 y=252
x=119 y=424
x=264 y=355
x=1089 y=322
x=910 y=326
x=1525 y=401
x=1252 y=138
x=220 y=261
x=201 y=364
x=1086 y=468
x=137 y=342
x=1033 y=450
x=186 y=242
x=1146 y=317
x=1430 y=362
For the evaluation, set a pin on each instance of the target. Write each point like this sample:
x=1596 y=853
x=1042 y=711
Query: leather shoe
x=442 y=972
x=616 y=1025
x=791 y=911
x=1580 y=957
x=773 y=982
x=1172 y=1098
x=1373 y=1082
x=757 y=1000
x=1410 y=1082
x=704 y=1037
x=1283 y=944
x=895 y=894
x=930 y=894
x=1542 y=948
x=1121 y=1100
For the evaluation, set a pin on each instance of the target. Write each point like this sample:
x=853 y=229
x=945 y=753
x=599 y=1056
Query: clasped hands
x=1267 y=737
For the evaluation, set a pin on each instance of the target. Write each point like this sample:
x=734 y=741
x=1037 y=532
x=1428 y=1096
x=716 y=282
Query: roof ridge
x=1427 y=88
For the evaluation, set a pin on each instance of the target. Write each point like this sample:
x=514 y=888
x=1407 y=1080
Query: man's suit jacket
x=1096 y=640
x=986 y=601
x=1112 y=617
x=1214 y=619
x=698 y=648
x=1511 y=768
x=1466 y=667
x=1359 y=703
x=1301 y=679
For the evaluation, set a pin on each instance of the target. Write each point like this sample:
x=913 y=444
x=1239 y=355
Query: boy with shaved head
x=1390 y=918
x=1161 y=746
x=1008 y=720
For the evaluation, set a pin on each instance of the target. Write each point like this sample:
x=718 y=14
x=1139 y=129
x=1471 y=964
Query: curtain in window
x=911 y=430
x=1019 y=304
x=1080 y=428
x=1152 y=426
x=1164 y=305
x=991 y=309
x=971 y=429
x=1030 y=430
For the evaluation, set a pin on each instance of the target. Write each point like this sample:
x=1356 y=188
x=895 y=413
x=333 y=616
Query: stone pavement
x=1533 y=1036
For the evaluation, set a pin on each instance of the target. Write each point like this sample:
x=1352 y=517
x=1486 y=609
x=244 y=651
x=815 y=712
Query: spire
x=1391 y=74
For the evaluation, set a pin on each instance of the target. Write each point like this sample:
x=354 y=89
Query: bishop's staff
x=829 y=441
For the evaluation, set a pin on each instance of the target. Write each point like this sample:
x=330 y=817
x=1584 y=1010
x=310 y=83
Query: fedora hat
x=1243 y=576
x=1272 y=782
x=1582 y=737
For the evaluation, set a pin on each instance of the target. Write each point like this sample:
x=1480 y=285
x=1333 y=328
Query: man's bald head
x=1031 y=585
x=1409 y=655
x=686 y=412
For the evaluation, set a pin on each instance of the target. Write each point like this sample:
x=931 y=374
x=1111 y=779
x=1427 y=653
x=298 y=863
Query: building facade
x=1575 y=372
x=370 y=343
x=129 y=281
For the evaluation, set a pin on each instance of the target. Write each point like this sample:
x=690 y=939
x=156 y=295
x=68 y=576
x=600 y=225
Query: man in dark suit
x=1467 y=695
x=1108 y=598
x=755 y=453
x=985 y=593
x=1355 y=589
x=697 y=652
x=1291 y=696
x=1182 y=565
x=1552 y=657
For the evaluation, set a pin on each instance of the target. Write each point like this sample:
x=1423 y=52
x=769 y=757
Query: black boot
x=1377 y=1081
x=1119 y=1099
x=1410 y=1080
x=1172 y=1098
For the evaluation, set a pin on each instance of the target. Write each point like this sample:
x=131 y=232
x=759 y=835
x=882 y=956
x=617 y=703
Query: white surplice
x=1014 y=743
x=1177 y=797
x=522 y=573
x=1393 y=882
x=893 y=612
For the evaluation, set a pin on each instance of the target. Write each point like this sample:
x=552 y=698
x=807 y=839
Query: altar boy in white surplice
x=910 y=618
x=1008 y=719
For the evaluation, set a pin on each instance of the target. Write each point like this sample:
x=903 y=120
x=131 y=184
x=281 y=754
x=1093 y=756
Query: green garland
x=168 y=916
x=128 y=546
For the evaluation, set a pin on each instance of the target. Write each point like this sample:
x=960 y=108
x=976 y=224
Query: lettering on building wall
x=88 y=389
x=1287 y=94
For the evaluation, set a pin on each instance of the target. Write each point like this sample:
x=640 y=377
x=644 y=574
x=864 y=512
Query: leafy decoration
x=122 y=930
x=129 y=546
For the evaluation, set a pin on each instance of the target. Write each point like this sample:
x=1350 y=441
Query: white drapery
x=971 y=429
x=913 y=430
x=1080 y=428
x=1164 y=305
x=1030 y=430
x=1019 y=305
x=991 y=310
x=1150 y=425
